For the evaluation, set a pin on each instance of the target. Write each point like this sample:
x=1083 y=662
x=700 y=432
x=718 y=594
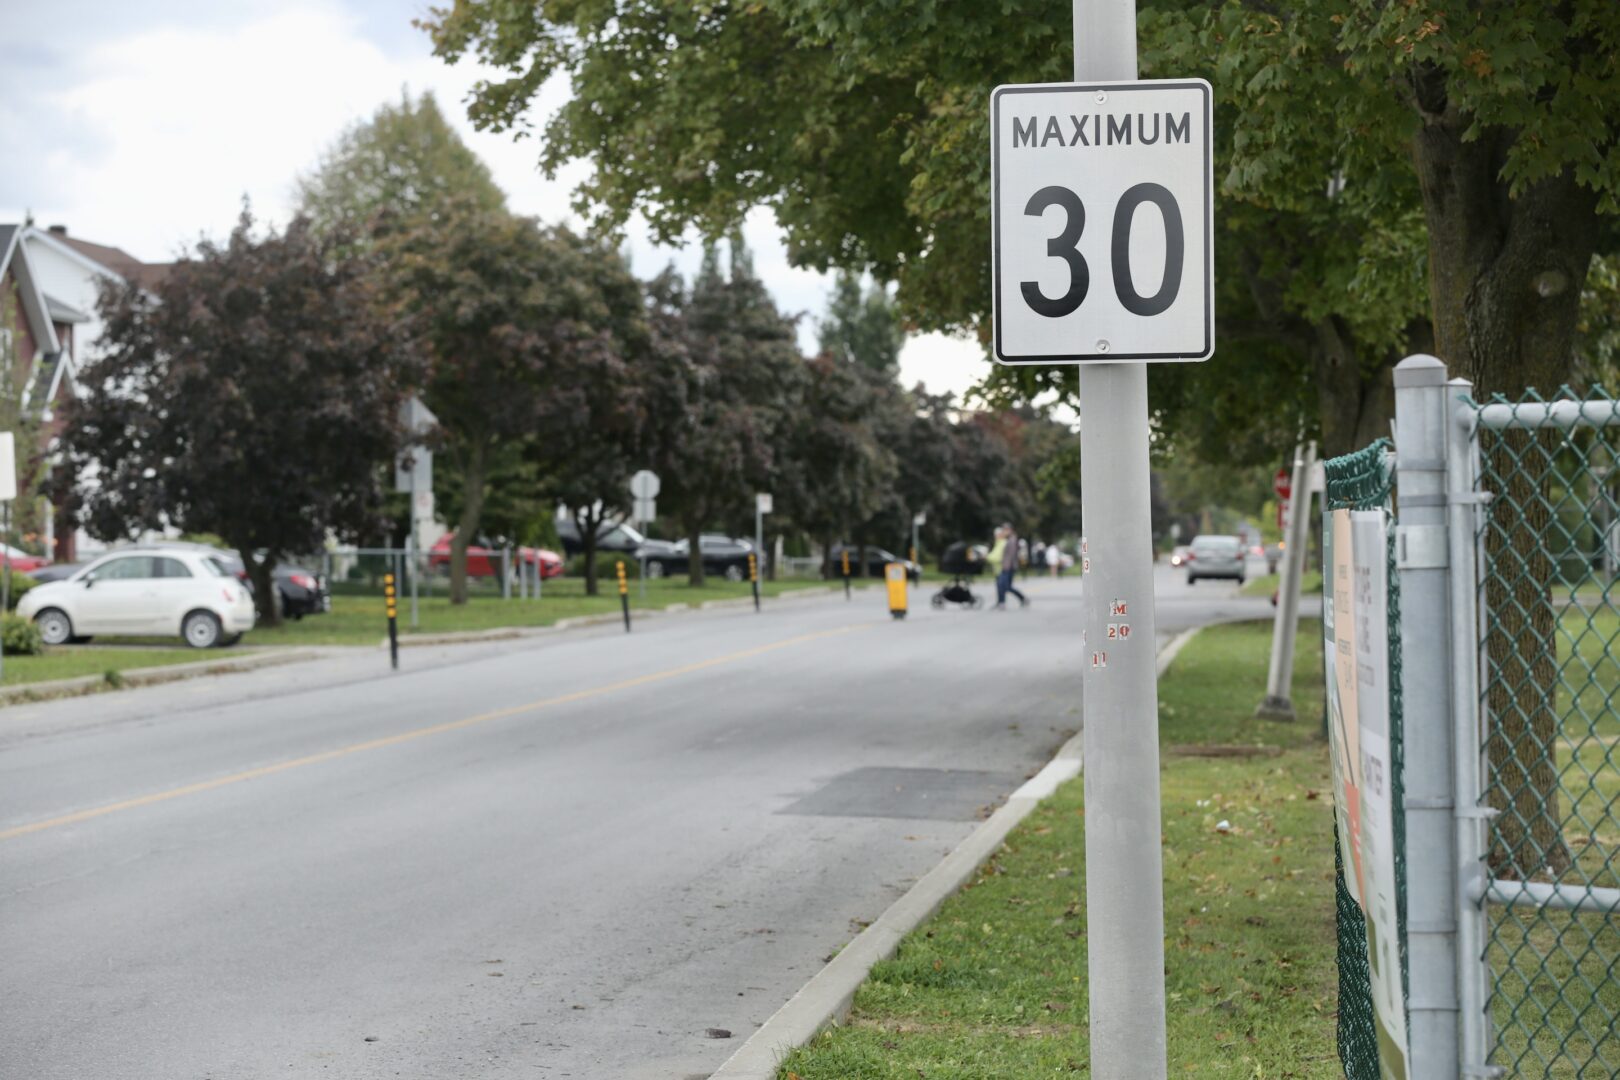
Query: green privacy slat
x=1364 y=480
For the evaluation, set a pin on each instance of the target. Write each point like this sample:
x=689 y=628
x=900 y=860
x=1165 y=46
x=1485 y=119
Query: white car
x=144 y=592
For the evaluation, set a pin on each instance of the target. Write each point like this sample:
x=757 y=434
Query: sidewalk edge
x=79 y=685
x=826 y=998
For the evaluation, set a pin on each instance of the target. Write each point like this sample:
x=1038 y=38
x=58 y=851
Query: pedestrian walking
x=1054 y=559
x=1006 y=565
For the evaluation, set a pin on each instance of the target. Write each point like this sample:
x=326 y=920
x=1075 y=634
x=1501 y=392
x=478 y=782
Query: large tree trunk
x=1355 y=395
x=472 y=508
x=694 y=557
x=261 y=573
x=587 y=526
x=1506 y=274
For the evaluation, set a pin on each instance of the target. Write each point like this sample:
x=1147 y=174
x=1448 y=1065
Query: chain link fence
x=1364 y=480
x=1549 y=654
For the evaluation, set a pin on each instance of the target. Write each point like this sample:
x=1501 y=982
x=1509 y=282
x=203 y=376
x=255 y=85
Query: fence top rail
x=1501 y=415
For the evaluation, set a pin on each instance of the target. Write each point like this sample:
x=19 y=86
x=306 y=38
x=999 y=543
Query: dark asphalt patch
x=935 y=794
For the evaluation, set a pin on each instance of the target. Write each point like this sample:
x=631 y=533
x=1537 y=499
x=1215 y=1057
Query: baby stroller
x=964 y=564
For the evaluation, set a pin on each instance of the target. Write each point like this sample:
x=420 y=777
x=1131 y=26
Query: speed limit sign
x=1102 y=223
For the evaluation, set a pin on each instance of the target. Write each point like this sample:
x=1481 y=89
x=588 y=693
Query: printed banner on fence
x=1356 y=641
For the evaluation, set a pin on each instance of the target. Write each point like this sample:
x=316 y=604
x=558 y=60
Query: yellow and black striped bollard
x=753 y=576
x=393 y=620
x=845 y=554
x=624 y=594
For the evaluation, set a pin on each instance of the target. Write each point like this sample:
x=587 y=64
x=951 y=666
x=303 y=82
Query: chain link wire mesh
x=1549 y=546
x=1364 y=480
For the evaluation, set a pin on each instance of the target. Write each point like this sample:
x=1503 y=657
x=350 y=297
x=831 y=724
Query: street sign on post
x=645 y=484
x=1103 y=251
x=763 y=505
x=1283 y=483
x=1102 y=223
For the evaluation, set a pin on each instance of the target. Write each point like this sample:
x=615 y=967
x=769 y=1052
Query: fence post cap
x=1420 y=369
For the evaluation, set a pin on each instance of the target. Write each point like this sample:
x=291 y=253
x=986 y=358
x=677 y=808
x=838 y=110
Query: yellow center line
x=418 y=733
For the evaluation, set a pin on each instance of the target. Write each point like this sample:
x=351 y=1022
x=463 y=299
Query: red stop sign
x=1283 y=483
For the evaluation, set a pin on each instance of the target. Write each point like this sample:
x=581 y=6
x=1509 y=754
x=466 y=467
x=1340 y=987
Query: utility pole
x=1279 y=702
x=1124 y=866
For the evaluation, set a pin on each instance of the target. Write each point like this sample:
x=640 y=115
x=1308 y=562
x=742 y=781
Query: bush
x=20 y=583
x=575 y=566
x=19 y=636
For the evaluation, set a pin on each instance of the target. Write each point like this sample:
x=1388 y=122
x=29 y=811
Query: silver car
x=1216 y=557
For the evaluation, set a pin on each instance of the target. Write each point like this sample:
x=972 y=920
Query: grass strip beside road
x=73 y=661
x=1266 y=584
x=994 y=984
x=359 y=620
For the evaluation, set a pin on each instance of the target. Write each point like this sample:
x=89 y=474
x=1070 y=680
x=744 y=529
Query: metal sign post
x=762 y=505
x=644 y=488
x=1102 y=223
x=917 y=522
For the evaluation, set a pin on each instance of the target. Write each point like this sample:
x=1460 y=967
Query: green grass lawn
x=357 y=618
x=994 y=985
x=1266 y=584
x=66 y=663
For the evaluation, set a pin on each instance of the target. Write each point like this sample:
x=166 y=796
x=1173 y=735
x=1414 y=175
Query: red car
x=484 y=562
x=20 y=561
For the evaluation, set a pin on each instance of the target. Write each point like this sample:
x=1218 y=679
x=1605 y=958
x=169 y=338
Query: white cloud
x=147 y=135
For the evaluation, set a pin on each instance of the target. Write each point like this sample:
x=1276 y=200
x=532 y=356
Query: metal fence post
x=1462 y=471
x=1422 y=422
x=1278 y=704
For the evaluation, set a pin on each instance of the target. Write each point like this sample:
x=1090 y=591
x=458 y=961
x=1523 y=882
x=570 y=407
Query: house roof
x=119 y=261
x=14 y=258
x=62 y=311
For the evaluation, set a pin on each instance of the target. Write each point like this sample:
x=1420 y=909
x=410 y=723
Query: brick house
x=53 y=281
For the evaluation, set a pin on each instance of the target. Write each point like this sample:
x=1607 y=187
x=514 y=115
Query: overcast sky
x=142 y=125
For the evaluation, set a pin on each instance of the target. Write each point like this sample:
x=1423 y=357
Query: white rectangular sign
x=1102 y=221
x=8 y=466
x=763 y=504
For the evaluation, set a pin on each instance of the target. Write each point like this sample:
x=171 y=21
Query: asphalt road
x=567 y=857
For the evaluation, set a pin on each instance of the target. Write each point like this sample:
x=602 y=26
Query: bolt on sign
x=1103 y=236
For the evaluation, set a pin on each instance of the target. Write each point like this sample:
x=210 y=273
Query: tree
x=1454 y=203
x=19 y=414
x=863 y=328
x=868 y=140
x=837 y=472
x=254 y=394
x=741 y=370
x=503 y=307
x=406 y=161
x=593 y=409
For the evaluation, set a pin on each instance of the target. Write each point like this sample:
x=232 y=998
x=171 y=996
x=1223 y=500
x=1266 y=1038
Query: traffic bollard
x=624 y=594
x=896 y=579
x=753 y=576
x=845 y=554
x=393 y=620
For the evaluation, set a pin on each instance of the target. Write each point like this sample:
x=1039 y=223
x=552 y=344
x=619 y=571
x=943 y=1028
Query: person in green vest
x=1004 y=558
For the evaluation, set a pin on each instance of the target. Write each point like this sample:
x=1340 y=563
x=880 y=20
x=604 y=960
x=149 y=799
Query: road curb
x=80 y=685
x=826 y=998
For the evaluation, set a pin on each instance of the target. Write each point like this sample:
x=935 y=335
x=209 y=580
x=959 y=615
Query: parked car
x=1178 y=555
x=619 y=538
x=876 y=559
x=144 y=592
x=484 y=559
x=301 y=592
x=1216 y=557
x=726 y=556
x=20 y=561
x=55 y=572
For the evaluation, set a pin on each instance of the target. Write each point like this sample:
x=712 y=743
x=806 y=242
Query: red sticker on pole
x=1283 y=483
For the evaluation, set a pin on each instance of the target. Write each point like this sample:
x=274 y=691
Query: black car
x=876 y=559
x=619 y=539
x=302 y=592
x=725 y=556
x=55 y=572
